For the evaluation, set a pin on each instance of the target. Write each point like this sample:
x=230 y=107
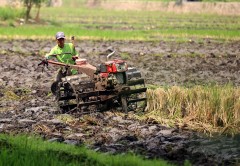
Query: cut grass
x=210 y=109
x=27 y=150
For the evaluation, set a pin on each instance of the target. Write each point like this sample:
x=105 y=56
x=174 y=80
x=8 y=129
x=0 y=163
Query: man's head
x=60 y=37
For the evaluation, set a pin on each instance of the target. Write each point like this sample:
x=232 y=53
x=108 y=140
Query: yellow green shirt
x=64 y=58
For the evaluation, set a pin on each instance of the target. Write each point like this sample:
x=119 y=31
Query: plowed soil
x=27 y=106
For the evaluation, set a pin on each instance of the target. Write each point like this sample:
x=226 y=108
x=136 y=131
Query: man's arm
x=74 y=52
x=49 y=55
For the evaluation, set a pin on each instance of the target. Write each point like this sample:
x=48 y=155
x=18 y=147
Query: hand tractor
x=109 y=85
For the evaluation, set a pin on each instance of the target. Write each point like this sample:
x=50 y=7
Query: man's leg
x=55 y=87
x=59 y=75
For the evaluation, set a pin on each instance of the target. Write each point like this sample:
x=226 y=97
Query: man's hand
x=74 y=58
x=44 y=62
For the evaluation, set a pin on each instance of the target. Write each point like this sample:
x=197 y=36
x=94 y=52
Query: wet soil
x=27 y=106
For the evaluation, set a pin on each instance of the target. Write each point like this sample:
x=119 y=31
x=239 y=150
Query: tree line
x=29 y=4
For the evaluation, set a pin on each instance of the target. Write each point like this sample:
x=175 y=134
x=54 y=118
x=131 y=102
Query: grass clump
x=8 y=13
x=26 y=150
x=211 y=109
x=10 y=95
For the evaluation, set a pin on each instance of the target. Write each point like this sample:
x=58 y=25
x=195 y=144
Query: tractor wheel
x=137 y=102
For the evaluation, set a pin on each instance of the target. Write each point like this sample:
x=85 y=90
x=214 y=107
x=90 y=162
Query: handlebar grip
x=44 y=63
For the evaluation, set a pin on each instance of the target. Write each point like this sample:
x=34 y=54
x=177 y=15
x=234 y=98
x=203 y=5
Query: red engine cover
x=116 y=66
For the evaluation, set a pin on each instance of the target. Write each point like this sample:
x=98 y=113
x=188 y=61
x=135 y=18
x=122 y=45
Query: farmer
x=64 y=53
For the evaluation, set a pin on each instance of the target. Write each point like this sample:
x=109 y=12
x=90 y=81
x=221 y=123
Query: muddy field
x=26 y=105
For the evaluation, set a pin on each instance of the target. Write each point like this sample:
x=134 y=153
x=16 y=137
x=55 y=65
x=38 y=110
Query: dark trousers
x=62 y=73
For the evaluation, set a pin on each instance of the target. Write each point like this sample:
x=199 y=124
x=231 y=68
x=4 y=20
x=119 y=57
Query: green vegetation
x=8 y=13
x=82 y=2
x=29 y=5
x=103 y=24
x=211 y=109
x=24 y=150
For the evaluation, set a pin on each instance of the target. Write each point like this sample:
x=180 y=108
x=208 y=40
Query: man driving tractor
x=79 y=84
x=64 y=53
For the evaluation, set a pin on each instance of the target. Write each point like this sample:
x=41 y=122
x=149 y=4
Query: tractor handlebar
x=45 y=61
x=60 y=54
